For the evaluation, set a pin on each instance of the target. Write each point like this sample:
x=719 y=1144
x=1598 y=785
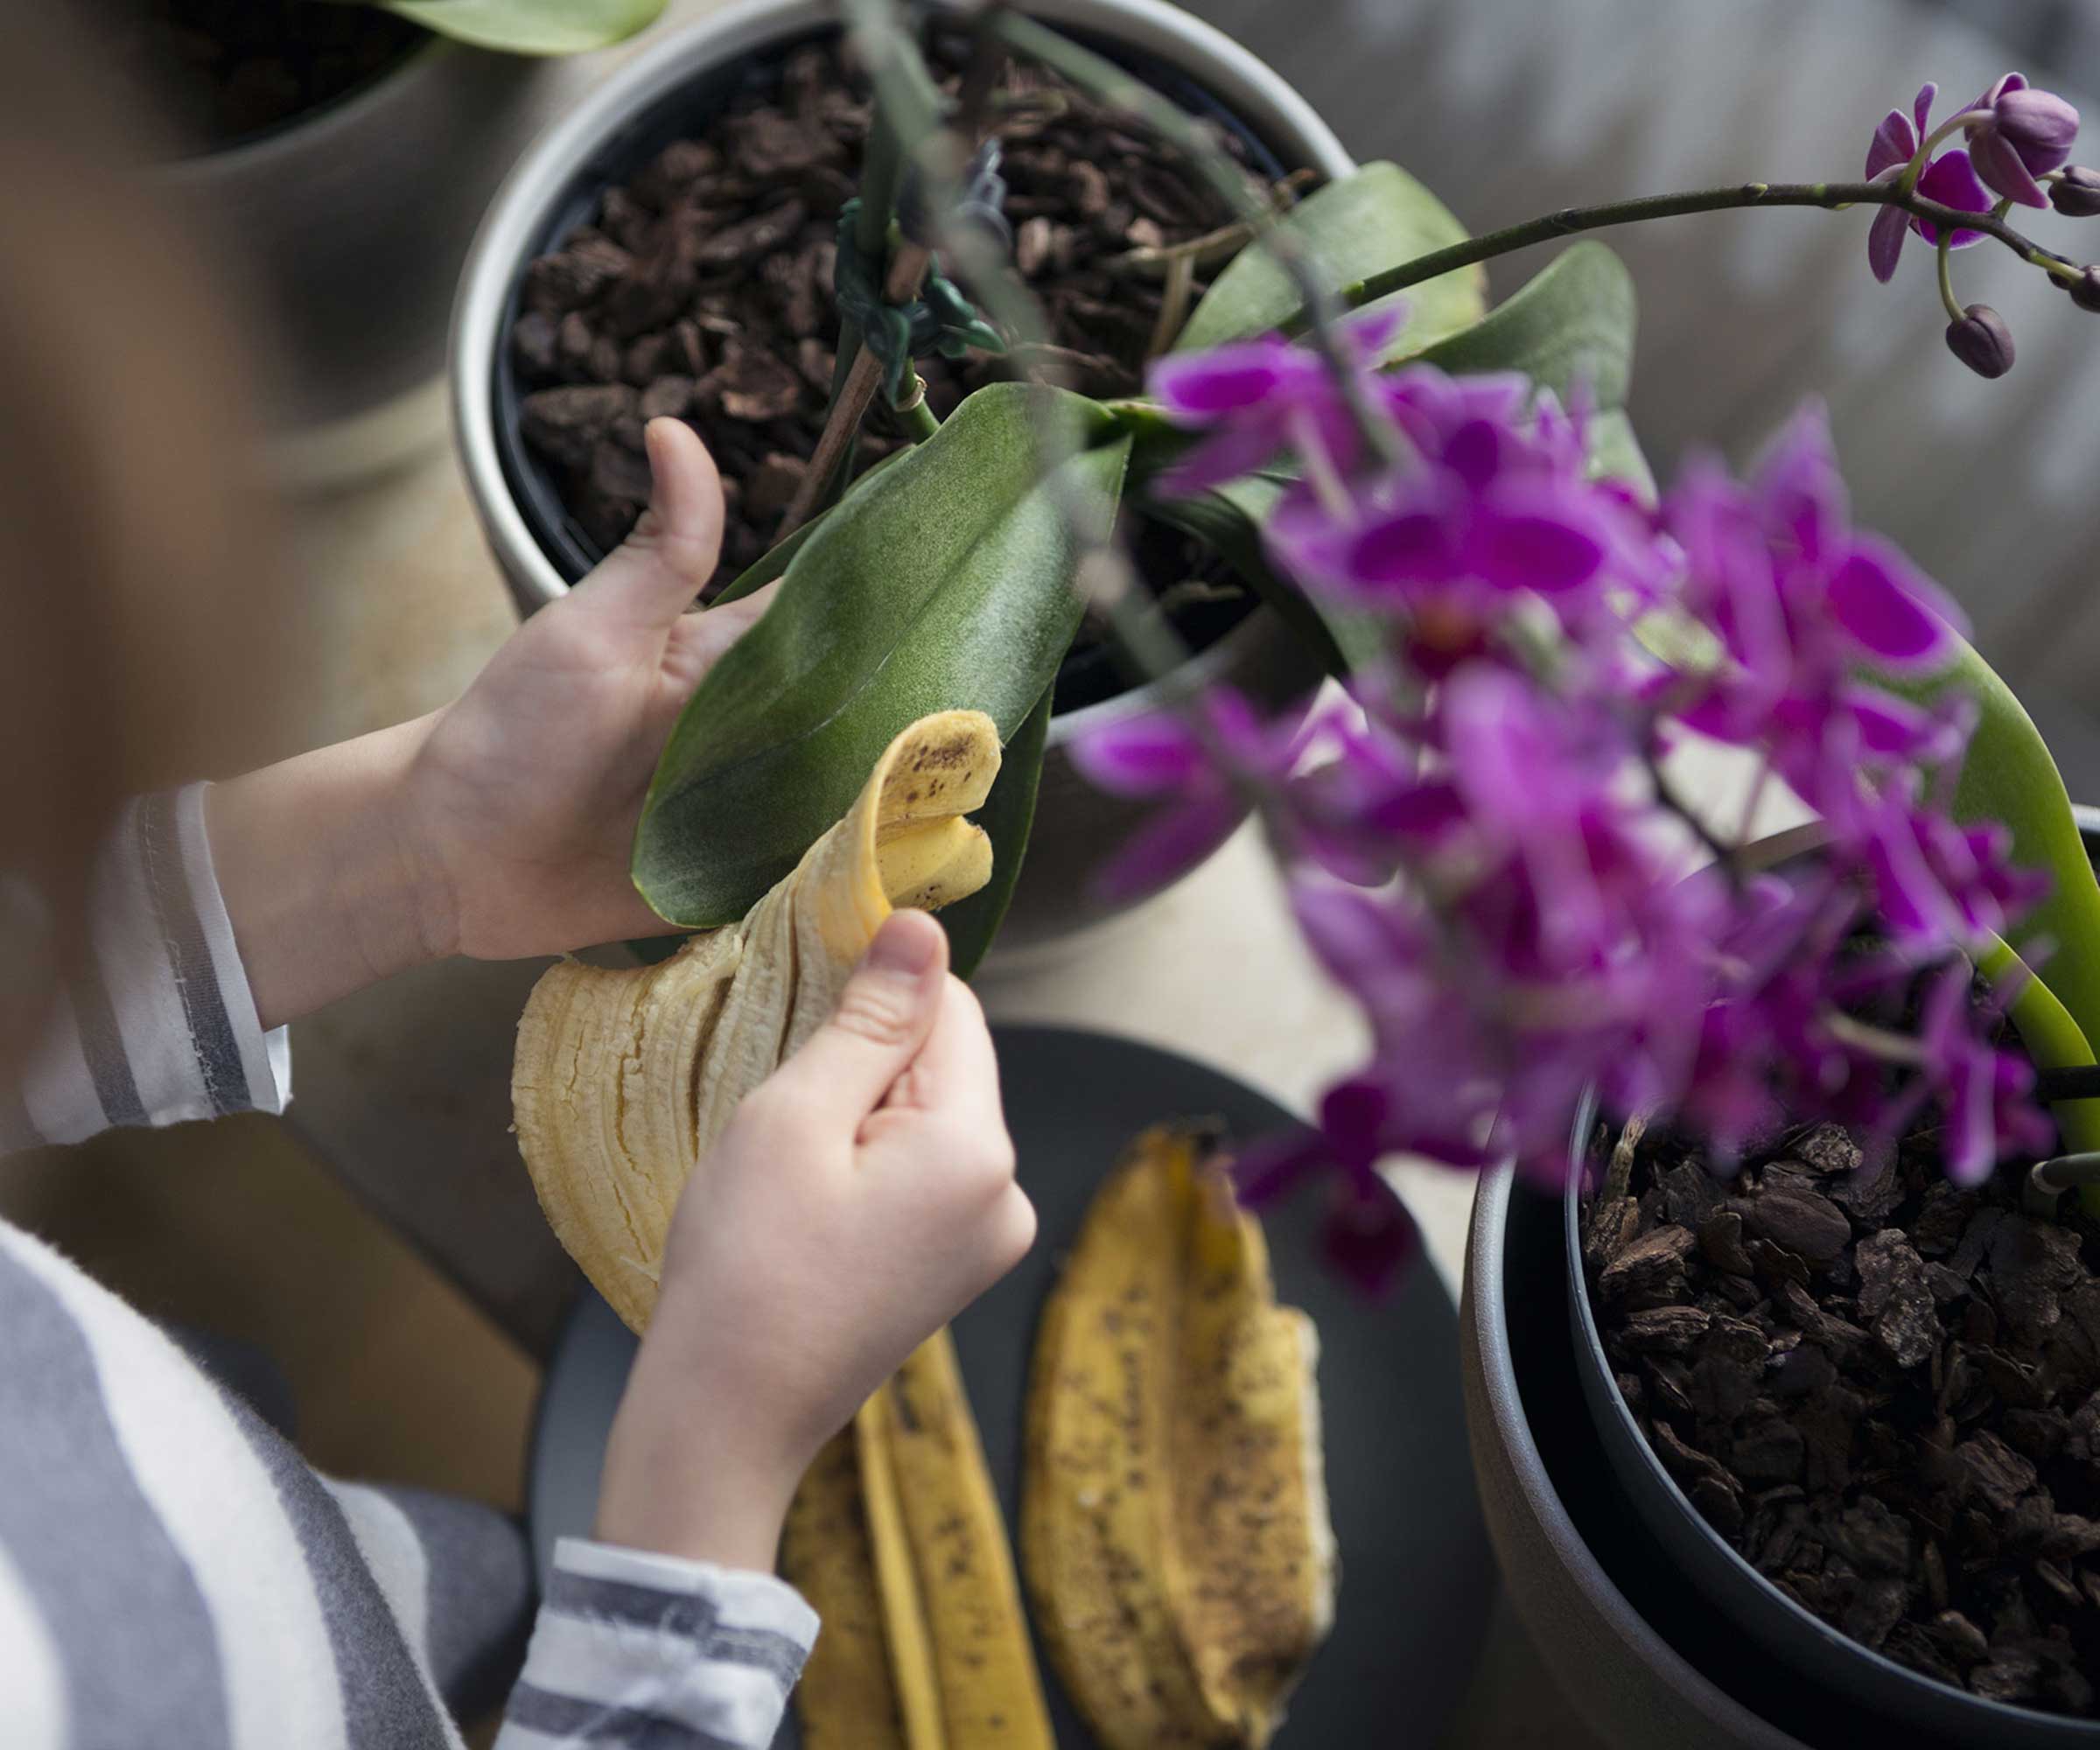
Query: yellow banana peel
x=623 y=1078
x=1174 y=1530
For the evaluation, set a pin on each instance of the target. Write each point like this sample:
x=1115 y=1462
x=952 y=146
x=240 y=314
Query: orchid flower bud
x=2085 y=290
x=1982 y=341
x=2076 y=192
x=2024 y=135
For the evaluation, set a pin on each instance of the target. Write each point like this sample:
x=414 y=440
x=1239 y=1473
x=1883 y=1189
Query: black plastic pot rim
x=1664 y=1487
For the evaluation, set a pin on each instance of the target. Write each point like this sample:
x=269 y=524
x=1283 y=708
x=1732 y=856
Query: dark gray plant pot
x=1660 y=1633
x=1078 y=829
x=350 y=224
x=1932 y=1712
x=1547 y=1502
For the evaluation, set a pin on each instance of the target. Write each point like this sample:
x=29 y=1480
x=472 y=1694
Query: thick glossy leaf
x=2010 y=776
x=1007 y=816
x=772 y=564
x=1228 y=521
x=1615 y=454
x=943 y=582
x=2054 y=1040
x=1359 y=226
x=531 y=27
x=1574 y=323
x=774 y=561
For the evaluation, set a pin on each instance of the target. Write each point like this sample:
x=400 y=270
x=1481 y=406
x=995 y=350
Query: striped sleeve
x=635 y=1651
x=157 y=1024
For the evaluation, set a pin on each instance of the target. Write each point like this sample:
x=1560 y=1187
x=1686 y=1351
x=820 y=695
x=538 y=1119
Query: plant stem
x=918 y=419
x=874 y=24
x=1570 y=221
x=849 y=406
x=1947 y=297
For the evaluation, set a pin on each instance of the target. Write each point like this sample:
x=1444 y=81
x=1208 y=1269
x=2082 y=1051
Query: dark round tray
x=1417 y=1576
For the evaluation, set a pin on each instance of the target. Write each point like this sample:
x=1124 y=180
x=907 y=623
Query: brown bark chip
x=704 y=282
x=1882 y=1388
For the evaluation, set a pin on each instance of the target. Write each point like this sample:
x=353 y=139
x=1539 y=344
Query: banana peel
x=958 y=1637
x=897 y=1540
x=623 y=1079
x=1174 y=1528
x=848 y=1698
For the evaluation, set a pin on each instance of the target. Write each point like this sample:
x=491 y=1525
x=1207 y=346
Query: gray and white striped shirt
x=171 y=1571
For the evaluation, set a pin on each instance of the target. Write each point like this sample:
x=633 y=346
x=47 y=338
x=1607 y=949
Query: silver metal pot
x=351 y=223
x=1078 y=829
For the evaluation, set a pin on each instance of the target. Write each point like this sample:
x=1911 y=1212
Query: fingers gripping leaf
x=944 y=582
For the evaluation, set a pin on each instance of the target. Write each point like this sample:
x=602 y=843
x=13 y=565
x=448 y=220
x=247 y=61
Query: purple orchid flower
x=1257 y=398
x=1983 y=1091
x=2023 y=134
x=1206 y=769
x=1488 y=860
x=1950 y=179
x=1368 y=1235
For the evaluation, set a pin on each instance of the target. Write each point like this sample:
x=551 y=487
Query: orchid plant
x=1484 y=845
x=1486 y=849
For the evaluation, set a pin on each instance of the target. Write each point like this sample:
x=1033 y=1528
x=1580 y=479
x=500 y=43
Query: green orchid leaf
x=772 y=564
x=943 y=582
x=2010 y=777
x=1572 y=323
x=1352 y=228
x=774 y=561
x=1228 y=521
x=1007 y=816
x=1615 y=454
x=2054 y=1040
x=531 y=27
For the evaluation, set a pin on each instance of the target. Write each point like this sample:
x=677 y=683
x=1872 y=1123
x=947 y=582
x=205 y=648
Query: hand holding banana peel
x=831 y=1091
x=861 y=1197
x=780 y=1155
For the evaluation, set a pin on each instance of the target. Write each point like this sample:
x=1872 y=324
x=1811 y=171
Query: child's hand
x=861 y=1197
x=527 y=790
x=500 y=826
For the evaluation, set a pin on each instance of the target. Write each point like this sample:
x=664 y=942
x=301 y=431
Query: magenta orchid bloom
x=1950 y=179
x=1257 y=398
x=1487 y=859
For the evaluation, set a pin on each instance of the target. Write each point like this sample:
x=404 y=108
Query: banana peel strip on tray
x=1174 y=1528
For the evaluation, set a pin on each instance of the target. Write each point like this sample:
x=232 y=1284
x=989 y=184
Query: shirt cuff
x=157 y=1024
x=634 y=1647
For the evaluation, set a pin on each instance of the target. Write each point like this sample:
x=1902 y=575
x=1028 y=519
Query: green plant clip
x=940 y=320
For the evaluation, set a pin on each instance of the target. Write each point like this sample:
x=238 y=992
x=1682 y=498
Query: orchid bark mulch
x=1881 y=1388
x=702 y=289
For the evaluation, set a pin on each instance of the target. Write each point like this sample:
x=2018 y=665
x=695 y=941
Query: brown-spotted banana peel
x=623 y=1078
x=898 y=1525
x=1174 y=1528
x=622 y=1081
